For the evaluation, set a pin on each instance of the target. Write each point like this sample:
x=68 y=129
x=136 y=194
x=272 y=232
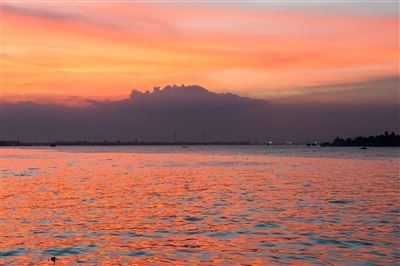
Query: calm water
x=250 y=205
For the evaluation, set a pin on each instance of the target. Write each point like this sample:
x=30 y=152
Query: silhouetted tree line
x=384 y=140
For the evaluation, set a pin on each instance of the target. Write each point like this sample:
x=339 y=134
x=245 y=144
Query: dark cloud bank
x=193 y=112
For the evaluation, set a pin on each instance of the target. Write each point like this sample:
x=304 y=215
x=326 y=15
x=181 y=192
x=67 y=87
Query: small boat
x=53 y=145
x=184 y=146
x=363 y=148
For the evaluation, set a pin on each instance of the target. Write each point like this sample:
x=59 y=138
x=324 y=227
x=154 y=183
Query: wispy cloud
x=29 y=10
x=86 y=14
x=382 y=90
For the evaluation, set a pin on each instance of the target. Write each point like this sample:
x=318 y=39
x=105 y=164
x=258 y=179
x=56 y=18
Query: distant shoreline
x=119 y=143
x=384 y=140
x=182 y=144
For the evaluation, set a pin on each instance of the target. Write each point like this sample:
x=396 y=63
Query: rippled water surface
x=250 y=205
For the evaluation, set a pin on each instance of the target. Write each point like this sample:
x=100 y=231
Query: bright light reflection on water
x=253 y=205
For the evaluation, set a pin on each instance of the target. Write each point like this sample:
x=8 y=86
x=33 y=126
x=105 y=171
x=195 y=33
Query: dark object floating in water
x=53 y=145
x=53 y=259
x=341 y=201
x=363 y=148
x=314 y=143
x=193 y=219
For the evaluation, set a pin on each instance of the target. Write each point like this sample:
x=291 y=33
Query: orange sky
x=100 y=50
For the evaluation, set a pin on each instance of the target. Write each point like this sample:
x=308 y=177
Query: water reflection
x=113 y=208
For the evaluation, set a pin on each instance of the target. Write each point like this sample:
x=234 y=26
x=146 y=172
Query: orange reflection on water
x=105 y=208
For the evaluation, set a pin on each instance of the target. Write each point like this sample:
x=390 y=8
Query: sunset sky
x=65 y=51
